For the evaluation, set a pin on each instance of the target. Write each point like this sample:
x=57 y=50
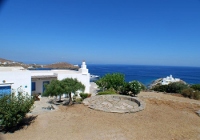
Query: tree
x=65 y=86
x=135 y=87
x=71 y=85
x=111 y=81
x=54 y=88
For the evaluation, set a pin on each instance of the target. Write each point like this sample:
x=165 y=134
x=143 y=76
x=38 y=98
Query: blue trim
x=33 y=86
x=5 y=90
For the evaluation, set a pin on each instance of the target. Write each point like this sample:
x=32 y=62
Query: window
x=32 y=86
x=5 y=90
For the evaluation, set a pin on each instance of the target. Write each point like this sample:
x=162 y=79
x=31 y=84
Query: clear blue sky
x=145 y=32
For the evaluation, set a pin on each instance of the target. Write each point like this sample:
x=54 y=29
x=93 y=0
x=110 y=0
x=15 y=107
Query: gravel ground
x=165 y=117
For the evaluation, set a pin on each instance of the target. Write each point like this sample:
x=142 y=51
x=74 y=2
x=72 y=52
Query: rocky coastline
x=159 y=81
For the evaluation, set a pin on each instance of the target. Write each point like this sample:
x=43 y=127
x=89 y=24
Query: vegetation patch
x=175 y=87
x=196 y=87
x=65 y=86
x=115 y=84
x=85 y=95
x=191 y=93
x=13 y=110
x=107 y=92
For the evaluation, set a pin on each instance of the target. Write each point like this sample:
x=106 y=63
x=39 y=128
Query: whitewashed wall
x=39 y=85
x=18 y=78
x=84 y=79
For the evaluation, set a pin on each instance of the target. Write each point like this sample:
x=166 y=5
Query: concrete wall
x=17 y=79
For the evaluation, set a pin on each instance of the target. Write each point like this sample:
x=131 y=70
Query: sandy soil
x=165 y=117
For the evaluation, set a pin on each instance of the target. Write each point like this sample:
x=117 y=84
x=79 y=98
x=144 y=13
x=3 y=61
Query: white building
x=32 y=81
x=169 y=79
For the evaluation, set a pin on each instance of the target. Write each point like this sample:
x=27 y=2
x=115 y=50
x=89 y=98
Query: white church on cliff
x=169 y=79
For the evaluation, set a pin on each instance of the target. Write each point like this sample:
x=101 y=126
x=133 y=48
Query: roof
x=11 y=68
x=44 y=76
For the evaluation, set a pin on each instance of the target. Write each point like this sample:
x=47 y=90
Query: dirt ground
x=165 y=117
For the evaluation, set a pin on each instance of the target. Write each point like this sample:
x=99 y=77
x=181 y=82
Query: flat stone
x=114 y=103
x=129 y=106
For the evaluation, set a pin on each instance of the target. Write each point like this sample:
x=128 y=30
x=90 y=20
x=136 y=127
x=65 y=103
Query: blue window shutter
x=5 y=90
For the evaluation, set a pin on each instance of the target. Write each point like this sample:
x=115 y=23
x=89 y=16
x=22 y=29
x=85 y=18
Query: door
x=44 y=83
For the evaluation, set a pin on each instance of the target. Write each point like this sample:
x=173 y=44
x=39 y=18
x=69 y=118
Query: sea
x=147 y=74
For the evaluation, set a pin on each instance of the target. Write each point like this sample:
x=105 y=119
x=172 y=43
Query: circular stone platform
x=115 y=103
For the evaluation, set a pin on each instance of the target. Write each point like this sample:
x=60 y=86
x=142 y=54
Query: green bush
x=13 y=109
x=111 y=81
x=143 y=87
x=176 y=87
x=196 y=87
x=107 y=92
x=191 y=93
x=84 y=95
x=160 y=88
x=135 y=87
x=124 y=89
x=78 y=100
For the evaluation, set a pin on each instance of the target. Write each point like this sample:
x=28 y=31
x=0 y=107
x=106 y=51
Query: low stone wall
x=115 y=103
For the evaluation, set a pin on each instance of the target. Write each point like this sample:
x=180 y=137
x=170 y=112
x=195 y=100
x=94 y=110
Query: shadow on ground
x=24 y=124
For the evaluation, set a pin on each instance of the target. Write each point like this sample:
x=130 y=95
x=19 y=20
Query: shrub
x=124 y=89
x=176 y=87
x=85 y=95
x=107 y=92
x=143 y=87
x=111 y=81
x=196 y=87
x=191 y=93
x=160 y=88
x=13 y=109
x=135 y=87
x=78 y=100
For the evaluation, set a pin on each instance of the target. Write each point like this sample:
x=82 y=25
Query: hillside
x=61 y=65
x=2 y=60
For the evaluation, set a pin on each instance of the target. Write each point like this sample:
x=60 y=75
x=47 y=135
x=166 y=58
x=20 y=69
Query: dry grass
x=165 y=117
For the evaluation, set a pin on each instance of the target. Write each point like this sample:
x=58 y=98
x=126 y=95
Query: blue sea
x=147 y=74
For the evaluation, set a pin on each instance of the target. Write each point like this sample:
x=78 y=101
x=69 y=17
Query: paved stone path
x=115 y=103
x=39 y=105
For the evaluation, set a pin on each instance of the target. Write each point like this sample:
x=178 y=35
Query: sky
x=138 y=32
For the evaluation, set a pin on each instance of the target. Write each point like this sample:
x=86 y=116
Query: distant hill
x=61 y=65
x=2 y=60
x=6 y=62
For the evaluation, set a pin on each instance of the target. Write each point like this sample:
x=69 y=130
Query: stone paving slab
x=115 y=103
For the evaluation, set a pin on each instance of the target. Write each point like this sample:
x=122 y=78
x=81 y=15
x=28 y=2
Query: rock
x=198 y=112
